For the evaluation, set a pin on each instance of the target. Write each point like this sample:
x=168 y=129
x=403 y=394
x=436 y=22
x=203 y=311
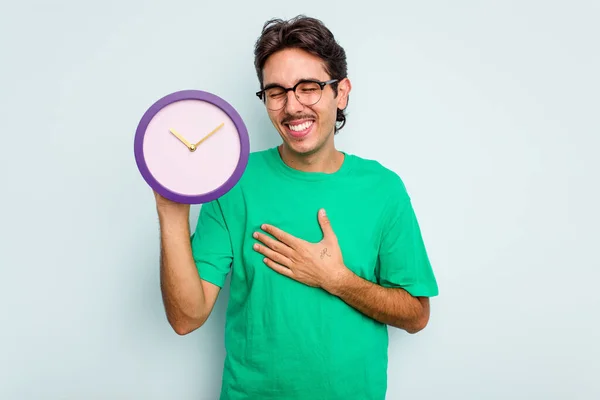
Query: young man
x=323 y=247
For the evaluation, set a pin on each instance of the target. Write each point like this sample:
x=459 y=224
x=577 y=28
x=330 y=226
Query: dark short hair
x=309 y=34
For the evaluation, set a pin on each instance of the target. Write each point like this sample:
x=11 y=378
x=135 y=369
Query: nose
x=292 y=105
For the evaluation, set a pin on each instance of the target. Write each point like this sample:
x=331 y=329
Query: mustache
x=288 y=118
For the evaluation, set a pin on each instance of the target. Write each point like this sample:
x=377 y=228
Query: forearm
x=391 y=306
x=181 y=286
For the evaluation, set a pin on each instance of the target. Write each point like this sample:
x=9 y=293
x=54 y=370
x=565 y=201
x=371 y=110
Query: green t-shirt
x=285 y=340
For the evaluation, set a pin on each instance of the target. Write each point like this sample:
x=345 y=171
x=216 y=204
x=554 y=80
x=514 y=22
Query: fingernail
x=323 y=212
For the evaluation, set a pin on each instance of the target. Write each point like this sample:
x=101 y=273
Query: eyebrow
x=270 y=85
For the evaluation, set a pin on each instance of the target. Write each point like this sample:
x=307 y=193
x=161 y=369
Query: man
x=323 y=247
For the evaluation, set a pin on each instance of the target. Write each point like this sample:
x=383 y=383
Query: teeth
x=301 y=127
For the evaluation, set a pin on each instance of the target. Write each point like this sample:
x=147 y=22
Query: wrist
x=339 y=281
x=173 y=218
x=173 y=212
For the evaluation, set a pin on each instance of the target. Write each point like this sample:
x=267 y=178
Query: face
x=304 y=129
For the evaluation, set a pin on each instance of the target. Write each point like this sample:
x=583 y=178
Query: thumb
x=325 y=225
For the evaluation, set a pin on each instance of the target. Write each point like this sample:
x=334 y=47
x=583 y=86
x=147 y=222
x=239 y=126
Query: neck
x=326 y=159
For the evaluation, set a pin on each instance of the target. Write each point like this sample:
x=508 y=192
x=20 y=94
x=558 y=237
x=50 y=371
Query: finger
x=273 y=244
x=325 y=225
x=282 y=236
x=273 y=255
x=278 y=268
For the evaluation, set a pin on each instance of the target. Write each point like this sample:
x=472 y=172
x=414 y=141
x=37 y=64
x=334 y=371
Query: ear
x=344 y=87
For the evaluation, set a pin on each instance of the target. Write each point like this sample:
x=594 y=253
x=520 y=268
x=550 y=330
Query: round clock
x=191 y=146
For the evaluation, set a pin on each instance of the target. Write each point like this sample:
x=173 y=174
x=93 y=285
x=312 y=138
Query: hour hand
x=181 y=138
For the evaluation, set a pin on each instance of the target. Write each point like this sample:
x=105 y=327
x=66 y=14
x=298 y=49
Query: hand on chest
x=356 y=237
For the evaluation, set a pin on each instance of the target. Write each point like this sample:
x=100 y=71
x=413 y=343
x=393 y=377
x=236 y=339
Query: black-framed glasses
x=307 y=91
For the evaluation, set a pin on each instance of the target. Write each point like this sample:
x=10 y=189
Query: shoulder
x=387 y=181
x=258 y=160
x=255 y=169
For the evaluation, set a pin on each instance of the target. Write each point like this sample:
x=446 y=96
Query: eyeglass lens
x=307 y=93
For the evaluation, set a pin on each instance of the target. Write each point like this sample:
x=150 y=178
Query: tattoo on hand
x=324 y=253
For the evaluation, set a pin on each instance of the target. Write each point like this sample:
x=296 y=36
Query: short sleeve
x=403 y=259
x=211 y=244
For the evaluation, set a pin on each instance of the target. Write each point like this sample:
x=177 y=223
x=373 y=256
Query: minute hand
x=213 y=131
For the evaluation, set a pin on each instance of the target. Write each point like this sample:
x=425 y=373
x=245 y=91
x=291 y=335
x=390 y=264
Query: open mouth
x=300 y=129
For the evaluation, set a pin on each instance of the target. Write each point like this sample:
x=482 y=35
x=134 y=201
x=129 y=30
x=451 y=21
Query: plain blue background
x=488 y=111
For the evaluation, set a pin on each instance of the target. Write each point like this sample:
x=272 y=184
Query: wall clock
x=191 y=146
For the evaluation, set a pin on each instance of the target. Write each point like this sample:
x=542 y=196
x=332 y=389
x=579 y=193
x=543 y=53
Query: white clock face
x=191 y=147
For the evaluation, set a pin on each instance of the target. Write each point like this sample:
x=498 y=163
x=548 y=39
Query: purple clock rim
x=191 y=94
